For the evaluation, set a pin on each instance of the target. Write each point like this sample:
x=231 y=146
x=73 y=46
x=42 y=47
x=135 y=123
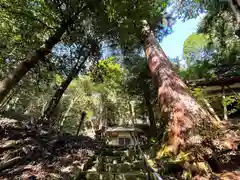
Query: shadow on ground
x=28 y=152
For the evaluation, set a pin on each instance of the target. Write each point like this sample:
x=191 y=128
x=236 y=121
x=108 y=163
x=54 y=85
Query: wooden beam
x=227 y=91
x=217 y=82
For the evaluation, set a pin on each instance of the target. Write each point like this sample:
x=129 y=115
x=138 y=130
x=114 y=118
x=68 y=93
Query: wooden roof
x=214 y=87
x=123 y=129
x=214 y=82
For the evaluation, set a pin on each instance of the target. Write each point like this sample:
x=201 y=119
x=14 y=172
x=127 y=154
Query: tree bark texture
x=58 y=94
x=186 y=118
x=14 y=77
x=81 y=123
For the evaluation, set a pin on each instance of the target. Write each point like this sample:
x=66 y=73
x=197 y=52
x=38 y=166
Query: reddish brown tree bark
x=186 y=118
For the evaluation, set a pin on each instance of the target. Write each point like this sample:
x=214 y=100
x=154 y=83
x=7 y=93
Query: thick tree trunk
x=186 y=118
x=81 y=123
x=14 y=77
x=58 y=94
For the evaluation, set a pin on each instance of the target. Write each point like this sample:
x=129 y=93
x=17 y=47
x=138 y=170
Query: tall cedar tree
x=186 y=118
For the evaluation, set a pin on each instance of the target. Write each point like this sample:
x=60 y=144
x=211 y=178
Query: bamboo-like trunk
x=185 y=116
x=225 y=112
x=210 y=108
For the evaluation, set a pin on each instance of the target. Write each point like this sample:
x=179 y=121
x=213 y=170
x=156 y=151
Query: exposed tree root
x=213 y=154
x=9 y=163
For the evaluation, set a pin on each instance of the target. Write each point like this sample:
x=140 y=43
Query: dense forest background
x=52 y=71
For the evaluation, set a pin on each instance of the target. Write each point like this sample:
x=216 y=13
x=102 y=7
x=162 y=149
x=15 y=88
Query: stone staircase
x=119 y=164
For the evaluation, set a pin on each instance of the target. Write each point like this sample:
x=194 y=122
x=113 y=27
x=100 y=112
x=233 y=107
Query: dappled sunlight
x=88 y=93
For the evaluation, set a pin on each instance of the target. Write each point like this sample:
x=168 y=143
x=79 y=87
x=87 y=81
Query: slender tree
x=149 y=105
x=81 y=122
x=58 y=94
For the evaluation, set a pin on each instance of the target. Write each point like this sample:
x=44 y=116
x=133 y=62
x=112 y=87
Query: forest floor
x=27 y=152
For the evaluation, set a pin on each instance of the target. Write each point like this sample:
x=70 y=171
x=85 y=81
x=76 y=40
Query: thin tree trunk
x=14 y=77
x=14 y=105
x=225 y=112
x=146 y=93
x=58 y=94
x=7 y=100
x=43 y=108
x=235 y=4
x=131 y=112
x=93 y=130
x=185 y=116
x=211 y=110
x=67 y=112
x=101 y=114
x=28 y=108
x=81 y=122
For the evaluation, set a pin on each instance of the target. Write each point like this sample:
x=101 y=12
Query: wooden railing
x=147 y=167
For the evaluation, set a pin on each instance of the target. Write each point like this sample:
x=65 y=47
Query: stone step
x=124 y=167
x=135 y=165
x=127 y=153
x=116 y=176
x=119 y=159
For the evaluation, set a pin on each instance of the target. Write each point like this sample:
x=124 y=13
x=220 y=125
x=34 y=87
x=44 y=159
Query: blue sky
x=173 y=43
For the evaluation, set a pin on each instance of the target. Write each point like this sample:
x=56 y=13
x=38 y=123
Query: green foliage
x=233 y=102
x=193 y=47
x=108 y=71
x=59 y=79
x=213 y=53
x=105 y=92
